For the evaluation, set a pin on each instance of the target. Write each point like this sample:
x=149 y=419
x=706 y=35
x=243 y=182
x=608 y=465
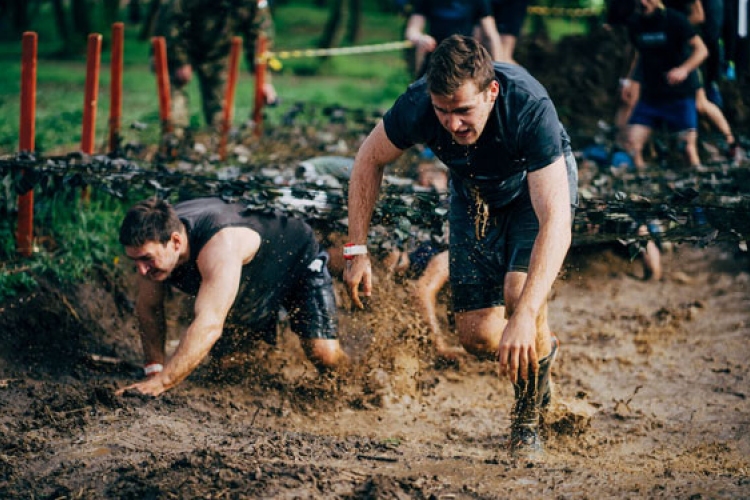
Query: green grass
x=84 y=235
x=354 y=81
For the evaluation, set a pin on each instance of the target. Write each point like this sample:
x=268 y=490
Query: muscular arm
x=367 y=174
x=149 y=309
x=220 y=264
x=550 y=198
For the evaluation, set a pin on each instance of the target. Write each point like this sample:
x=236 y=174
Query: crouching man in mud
x=242 y=266
x=513 y=185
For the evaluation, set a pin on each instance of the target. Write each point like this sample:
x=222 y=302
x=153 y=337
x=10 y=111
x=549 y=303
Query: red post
x=25 y=229
x=234 y=68
x=90 y=99
x=115 y=84
x=159 y=45
x=261 y=65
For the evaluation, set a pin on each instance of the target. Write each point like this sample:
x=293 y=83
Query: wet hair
x=457 y=60
x=149 y=220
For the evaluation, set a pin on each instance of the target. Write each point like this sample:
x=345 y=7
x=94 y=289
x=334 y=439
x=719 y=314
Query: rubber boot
x=533 y=397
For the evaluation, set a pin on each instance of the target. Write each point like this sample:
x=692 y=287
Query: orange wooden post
x=90 y=99
x=159 y=45
x=115 y=85
x=234 y=68
x=261 y=64
x=25 y=229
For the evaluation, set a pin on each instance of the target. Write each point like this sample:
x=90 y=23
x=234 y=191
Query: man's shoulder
x=516 y=81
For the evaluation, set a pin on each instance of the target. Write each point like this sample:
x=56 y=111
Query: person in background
x=509 y=18
x=198 y=35
x=669 y=52
x=431 y=21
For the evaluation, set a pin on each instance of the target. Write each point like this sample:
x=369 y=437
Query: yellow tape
x=538 y=10
x=273 y=58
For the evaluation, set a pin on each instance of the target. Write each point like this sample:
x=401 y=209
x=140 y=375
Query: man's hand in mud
x=358 y=271
x=152 y=386
x=518 y=347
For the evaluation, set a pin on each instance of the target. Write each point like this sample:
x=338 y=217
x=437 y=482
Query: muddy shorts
x=311 y=304
x=478 y=265
x=310 y=307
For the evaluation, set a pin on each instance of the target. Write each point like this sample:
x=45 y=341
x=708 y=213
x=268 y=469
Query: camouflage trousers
x=212 y=80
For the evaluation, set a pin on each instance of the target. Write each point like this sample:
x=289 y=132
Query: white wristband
x=350 y=250
x=152 y=369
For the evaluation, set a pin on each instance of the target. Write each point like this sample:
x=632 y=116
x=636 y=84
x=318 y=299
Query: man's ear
x=494 y=89
x=178 y=240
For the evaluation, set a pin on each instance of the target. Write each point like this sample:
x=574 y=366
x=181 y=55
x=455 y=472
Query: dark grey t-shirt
x=523 y=134
x=287 y=247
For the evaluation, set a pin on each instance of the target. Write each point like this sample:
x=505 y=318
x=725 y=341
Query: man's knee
x=479 y=331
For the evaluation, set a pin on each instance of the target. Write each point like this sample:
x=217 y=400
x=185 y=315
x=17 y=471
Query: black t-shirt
x=662 y=40
x=523 y=134
x=450 y=17
x=287 y=247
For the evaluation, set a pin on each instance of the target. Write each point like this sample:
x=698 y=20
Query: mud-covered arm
x=220 y=264
x=550 y=198
x=149 y=310
x=367 y=174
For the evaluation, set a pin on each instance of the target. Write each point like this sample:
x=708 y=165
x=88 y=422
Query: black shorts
x=478 y=265
x=310 y=305
x=509 y=15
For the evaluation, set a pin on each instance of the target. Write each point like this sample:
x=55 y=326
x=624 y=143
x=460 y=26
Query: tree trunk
x=332 y=25
x=61 y=21
x=147 y=28
x=110 y=12
x=353 y=30
x=134 y=11
x=79 y=11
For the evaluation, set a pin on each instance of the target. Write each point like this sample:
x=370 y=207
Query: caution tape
x=274 y=58
x=539 y=10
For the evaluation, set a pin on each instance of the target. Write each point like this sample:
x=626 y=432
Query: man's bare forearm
x=153 y=331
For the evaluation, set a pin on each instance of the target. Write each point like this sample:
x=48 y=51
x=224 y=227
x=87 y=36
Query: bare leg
x=637 y=137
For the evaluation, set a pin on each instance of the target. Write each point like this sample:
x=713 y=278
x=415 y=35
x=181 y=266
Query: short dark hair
x=455 y=61
x=149 y=220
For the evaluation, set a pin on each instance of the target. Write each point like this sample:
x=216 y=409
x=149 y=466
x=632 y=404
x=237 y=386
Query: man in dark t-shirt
x=242 y=266
x=669 y=51
x=513 y=181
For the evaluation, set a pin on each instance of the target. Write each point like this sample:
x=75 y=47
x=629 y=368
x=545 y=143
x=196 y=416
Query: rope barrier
x=539 y=10
x=337 y=51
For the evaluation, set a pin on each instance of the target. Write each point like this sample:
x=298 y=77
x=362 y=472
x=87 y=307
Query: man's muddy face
x=464 y=114
x=154 y=260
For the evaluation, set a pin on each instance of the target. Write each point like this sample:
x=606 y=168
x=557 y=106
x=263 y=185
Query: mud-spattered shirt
x=523 y=134
x=287 y=247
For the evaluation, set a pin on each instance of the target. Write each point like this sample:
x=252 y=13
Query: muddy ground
x=651 y=401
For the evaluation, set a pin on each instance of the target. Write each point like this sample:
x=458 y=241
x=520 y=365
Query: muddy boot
x=533 y=397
